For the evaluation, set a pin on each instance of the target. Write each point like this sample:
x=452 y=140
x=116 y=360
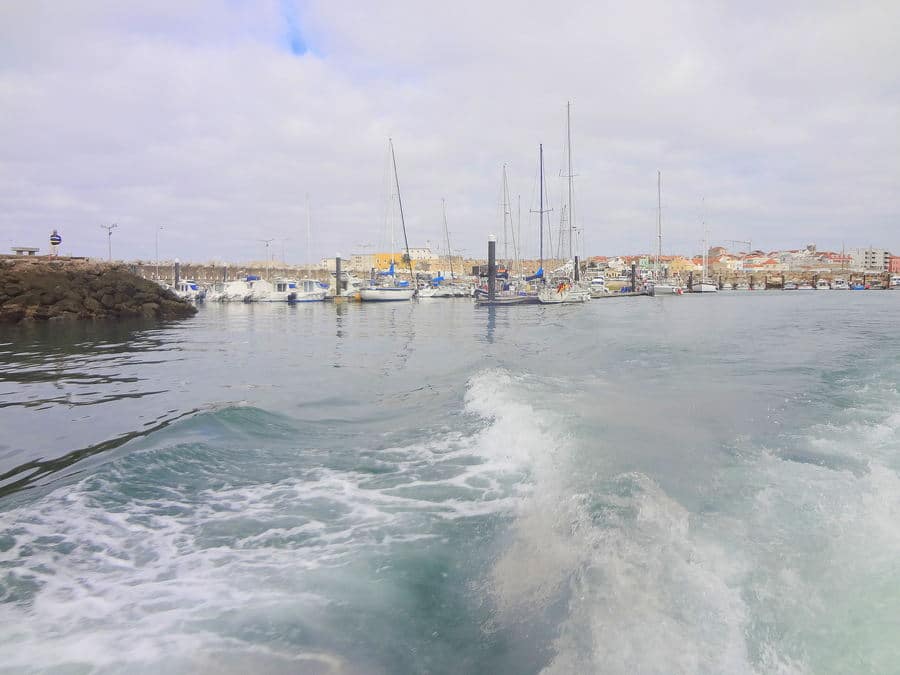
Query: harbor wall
x=39 y=289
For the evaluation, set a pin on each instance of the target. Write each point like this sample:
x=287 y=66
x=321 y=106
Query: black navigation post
x=492 y=267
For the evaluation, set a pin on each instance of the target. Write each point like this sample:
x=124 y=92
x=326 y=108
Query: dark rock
x=58 y=289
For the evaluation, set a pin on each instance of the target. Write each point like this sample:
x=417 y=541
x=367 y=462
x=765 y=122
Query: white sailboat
x=662 y=286
x=564 y=285
x=389 y=288
x=705 y=285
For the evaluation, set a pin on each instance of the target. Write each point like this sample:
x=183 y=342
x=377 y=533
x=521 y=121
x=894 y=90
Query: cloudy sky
x=774 y=122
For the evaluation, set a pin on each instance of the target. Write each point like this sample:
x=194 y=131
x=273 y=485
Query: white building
x=422 y=253
x=872 y=259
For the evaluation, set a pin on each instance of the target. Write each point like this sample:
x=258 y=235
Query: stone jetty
x=60 y=288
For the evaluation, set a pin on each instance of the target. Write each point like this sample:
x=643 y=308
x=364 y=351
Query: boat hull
x=704 y=288
x=666 y=289
x=554 y=296
x=385 y=294
x=507 y=300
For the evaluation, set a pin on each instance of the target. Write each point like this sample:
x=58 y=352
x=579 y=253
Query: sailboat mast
x=505 y=214
x=541 y=161
x=447 y=236
x=658 y=221
x=402 y=220
x=569 y=153
x=308 y=247
x=519 y=236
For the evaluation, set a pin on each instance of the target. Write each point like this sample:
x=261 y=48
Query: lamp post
x=109 y=229
x=267 y=242
x=158 y=228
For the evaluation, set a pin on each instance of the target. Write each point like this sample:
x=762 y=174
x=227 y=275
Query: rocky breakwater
x=44 y=289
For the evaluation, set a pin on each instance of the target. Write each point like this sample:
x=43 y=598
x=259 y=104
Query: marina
x=358 y=338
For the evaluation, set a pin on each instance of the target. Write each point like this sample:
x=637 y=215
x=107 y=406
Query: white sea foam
x=97 y=569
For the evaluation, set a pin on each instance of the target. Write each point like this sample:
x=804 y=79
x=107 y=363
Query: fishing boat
x=387 y=287
x=839 y=284
x=822 y=285
x=857 y=286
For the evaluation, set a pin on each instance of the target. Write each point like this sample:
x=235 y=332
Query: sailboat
x=662 y=286
x=389 y=288
x=705 y=285
x=564 y=286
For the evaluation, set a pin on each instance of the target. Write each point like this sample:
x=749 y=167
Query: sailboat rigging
x=394 y=291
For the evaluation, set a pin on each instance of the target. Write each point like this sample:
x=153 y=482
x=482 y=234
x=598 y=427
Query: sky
x=215 y=120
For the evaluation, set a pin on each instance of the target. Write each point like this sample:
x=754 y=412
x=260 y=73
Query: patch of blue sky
x=292 y=34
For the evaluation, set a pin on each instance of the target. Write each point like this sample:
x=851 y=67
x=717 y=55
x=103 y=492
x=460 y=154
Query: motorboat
x=805 y=286
x=259 y=290
x=822 y=285
x=284 y=290
x=597 y=287
x=310 y=290
x=756 y=286
x=839 y=285
x=857 y=286
x=188 y=289
x=789 y=286
x=895 y=282
x=292 y=290
x=742 y=286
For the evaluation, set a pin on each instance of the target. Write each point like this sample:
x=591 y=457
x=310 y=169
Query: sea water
x=696 y=484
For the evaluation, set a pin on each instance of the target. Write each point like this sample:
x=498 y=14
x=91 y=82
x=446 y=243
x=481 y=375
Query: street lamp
x=158 y=228
x=267 y=242
x=109 y=229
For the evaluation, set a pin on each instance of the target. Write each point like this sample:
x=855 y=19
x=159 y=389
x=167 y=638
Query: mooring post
x=690 y=282
x=634 y=277
x=492 y=267
x=177 y=271
x=577 y=271
x=337 y=276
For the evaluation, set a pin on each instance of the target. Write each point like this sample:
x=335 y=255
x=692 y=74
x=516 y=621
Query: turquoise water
x=656 y=485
